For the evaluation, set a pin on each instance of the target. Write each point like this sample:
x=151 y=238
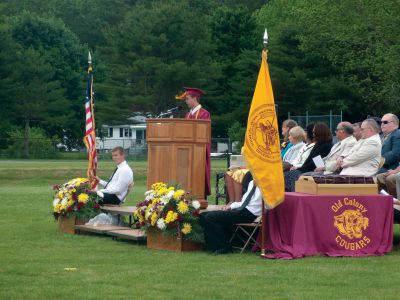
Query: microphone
x=175 y=108
x=169 y=111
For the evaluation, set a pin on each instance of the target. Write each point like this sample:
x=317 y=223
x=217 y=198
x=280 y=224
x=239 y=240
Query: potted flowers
x=74 y=203
x=171 y=219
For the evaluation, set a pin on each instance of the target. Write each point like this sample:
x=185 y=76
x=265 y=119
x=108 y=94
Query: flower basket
x=74 y=203
x=156 y=239
x=67 y=225
x=170 y=218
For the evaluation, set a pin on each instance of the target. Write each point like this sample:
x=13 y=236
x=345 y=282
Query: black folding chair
x=246 y=233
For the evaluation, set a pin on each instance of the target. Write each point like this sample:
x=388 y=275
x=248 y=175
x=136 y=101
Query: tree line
x=323 y=55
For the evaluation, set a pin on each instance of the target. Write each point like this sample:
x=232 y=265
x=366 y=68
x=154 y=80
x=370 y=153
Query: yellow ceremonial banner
x=262 y=146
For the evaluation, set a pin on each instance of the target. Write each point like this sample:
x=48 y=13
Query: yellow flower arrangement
x=166 y=209
x=75 y=198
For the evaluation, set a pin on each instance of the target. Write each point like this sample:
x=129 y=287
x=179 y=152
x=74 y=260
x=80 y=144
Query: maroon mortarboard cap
x=194 y=92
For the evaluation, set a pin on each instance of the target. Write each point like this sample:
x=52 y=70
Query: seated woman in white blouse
x=304 y=152
x=296 y=138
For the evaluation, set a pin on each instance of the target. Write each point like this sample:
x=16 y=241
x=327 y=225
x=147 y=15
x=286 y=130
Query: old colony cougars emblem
x=263 y=138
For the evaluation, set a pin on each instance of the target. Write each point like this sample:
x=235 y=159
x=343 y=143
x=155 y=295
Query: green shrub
x=237 y=133
x=40 y=146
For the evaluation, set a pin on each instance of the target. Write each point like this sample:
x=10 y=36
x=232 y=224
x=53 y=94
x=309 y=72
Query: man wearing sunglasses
x=391 y=142
x=389 y=173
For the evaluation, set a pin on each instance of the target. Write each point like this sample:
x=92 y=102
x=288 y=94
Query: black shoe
x=222 y=251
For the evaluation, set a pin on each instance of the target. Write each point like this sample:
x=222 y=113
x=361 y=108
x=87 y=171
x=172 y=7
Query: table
x=337 y=225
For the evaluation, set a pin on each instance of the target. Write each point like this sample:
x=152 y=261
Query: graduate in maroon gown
x=192 y=97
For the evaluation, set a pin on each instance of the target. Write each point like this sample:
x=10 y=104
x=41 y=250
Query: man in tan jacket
x=365 y=157
x=346 y=141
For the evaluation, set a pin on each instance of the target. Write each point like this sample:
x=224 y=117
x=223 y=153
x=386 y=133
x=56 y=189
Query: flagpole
x=90 y=133
x=90 y=71
x=263 y=218
x=93 y=164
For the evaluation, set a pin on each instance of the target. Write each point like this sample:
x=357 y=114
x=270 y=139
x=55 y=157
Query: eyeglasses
x=386 y=122
x=337 y=129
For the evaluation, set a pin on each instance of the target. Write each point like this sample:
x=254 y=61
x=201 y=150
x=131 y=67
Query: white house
x=132 y=137
x=128 y=136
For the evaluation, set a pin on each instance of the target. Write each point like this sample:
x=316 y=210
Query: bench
x=120 y=211
x=104 y=229
x=99 y=229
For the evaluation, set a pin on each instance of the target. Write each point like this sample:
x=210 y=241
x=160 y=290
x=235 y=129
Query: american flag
x=90 y=134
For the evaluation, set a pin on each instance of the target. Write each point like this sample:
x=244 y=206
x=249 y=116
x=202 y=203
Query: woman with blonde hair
x=286 y=126
x=296 y=138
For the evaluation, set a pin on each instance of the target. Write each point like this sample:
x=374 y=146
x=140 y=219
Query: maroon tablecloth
x=349 y=225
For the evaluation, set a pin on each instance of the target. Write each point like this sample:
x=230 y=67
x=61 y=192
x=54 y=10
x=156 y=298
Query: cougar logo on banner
x=351 y=224
x=261 y=138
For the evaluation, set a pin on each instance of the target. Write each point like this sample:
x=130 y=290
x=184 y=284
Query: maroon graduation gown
x=202 y=114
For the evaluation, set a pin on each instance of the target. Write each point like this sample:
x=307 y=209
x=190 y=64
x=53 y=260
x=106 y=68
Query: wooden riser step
x=99 y=229
x=119 y=210
x=131 y=234
x=114 y=231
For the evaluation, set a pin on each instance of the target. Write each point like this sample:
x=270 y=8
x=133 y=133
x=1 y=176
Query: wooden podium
x=177 y=153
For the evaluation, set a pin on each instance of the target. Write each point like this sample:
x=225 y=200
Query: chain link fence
x=331 y=120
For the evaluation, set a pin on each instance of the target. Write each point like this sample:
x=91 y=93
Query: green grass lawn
x=34 y=255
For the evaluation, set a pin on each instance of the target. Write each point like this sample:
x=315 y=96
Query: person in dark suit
x=391 y=142
x=218 y=225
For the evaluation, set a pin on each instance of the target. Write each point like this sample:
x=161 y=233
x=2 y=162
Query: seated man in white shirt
x=116 y=189
x=217 y=223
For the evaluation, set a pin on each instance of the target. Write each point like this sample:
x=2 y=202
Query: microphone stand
x=161 y=115
x=169 y=112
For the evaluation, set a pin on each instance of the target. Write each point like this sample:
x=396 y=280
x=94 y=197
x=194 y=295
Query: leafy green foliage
x=157 y=48
x=329 y=55
x=40 y=146
x=237 y=133
x=233 y=33
x=58 y=57
x=359 y=39
x=42 y=76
